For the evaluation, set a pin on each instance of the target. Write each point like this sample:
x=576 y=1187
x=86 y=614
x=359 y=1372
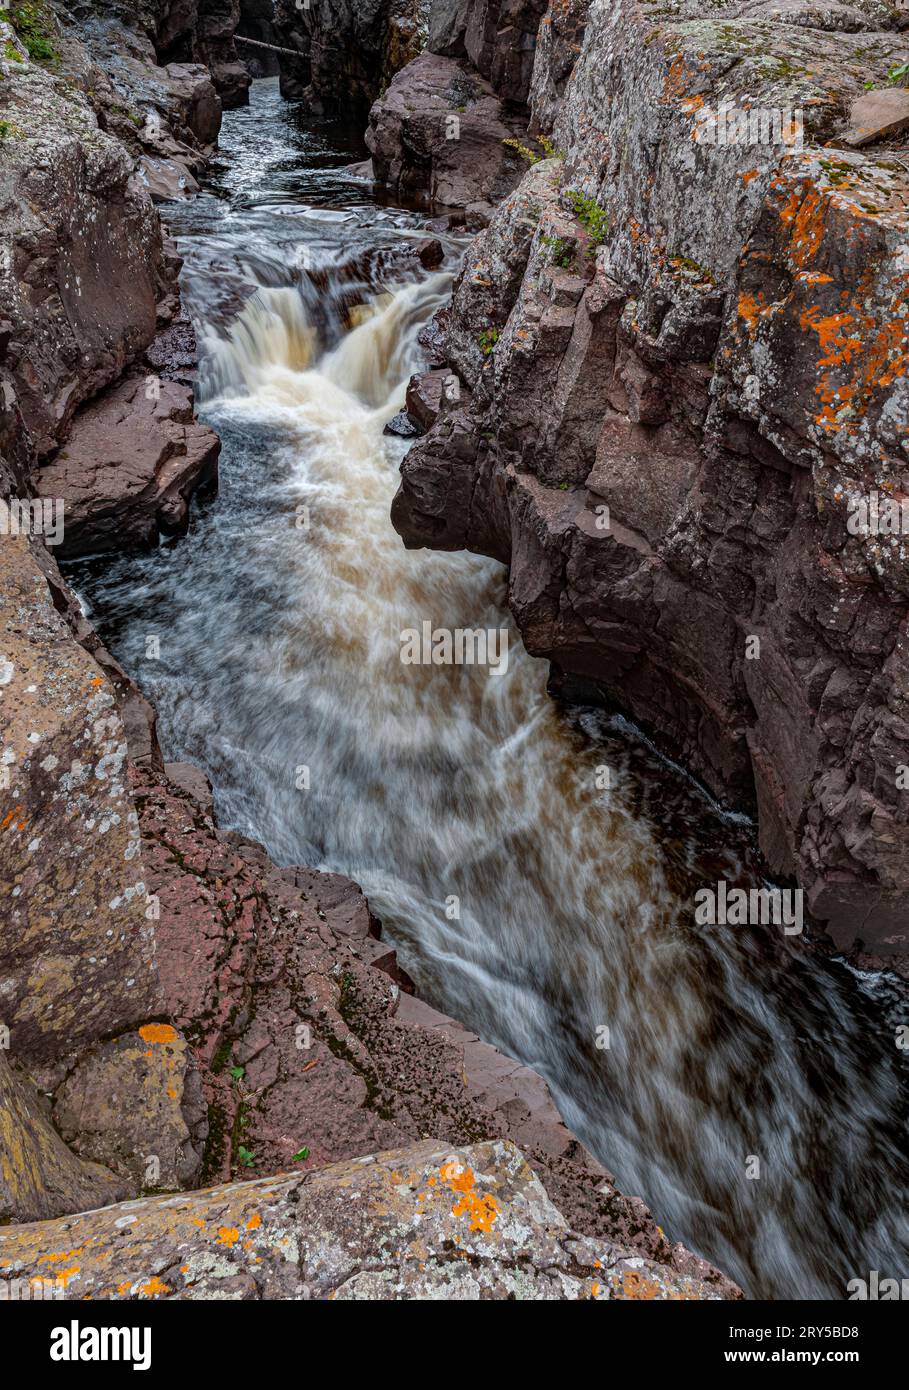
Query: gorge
x=577 y=313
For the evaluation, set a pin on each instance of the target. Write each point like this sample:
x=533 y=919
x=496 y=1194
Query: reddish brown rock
x=439 y=133
x=133 y=459
x=39 y=1176
x=683 y=363
x=877 y=115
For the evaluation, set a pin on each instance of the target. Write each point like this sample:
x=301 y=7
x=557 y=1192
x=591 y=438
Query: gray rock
x=426 y=1222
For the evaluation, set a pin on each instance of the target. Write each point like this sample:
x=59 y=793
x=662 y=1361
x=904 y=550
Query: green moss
x=9 y=130
x=561 y=251
x=36 y=32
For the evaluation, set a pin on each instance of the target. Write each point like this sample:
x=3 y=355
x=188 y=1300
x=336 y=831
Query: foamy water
x=280 y=619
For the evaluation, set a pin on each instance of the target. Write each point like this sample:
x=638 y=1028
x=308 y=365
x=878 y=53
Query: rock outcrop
x=179 y=33
x=349 y=49
x=440 y=134
x=132 y=461
x=450 y=129
x=425 y=1222
x=682 y=356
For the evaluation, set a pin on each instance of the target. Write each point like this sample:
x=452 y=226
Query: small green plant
x=561 y=251
x=547 y=149
x=487 y=340
x=247 y=1159
x=899 y=76
x=300 y=1155
x=9 y=130
x=592 y=218
x=31 y=24
x=238 y=1073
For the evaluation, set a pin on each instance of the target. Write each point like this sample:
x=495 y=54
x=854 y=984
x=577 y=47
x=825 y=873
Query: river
x=525 y=897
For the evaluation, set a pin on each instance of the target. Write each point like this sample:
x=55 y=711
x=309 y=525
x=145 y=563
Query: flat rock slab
x=133 y=460
x=877 y=115
x=424 y=1222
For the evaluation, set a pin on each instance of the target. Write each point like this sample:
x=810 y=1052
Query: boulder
x=39 y=1176
x=133 y=459
x=129 y=1105
x=167 y=180
x=877 y=115
x=423 y=1222
x=426 y=395
x=440 y=134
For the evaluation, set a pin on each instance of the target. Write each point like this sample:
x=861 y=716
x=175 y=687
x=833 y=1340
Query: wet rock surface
x=133 y=459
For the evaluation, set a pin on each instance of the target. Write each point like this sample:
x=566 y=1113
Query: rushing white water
x=280 y=620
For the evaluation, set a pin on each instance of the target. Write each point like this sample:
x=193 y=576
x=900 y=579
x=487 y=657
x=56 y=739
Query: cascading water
x=279 y=620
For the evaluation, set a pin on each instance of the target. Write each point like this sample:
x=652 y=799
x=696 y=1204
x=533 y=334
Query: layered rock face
x=90 y=281
x=681 y=350
x=497 y=37
x=349 y=49
x=181 y=32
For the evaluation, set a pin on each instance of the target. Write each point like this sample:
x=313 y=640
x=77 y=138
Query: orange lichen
x=153 y=1287
x=482 y=1208
x=158 y=1033
x=637 y=1285
x=227 y=1235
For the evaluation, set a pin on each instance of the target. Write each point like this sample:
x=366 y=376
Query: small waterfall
x=526 y=898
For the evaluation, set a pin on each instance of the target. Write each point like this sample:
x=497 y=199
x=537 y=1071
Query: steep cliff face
x=349 y=49
x=682 y=351
x=181 y=31
x=447 y=130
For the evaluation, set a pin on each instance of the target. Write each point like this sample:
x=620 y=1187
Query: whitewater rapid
x=546 y=910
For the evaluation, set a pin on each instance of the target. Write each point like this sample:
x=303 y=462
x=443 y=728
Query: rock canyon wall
x=677 y=368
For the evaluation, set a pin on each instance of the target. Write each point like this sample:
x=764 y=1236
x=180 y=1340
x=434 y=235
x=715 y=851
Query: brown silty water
x=549 y=912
